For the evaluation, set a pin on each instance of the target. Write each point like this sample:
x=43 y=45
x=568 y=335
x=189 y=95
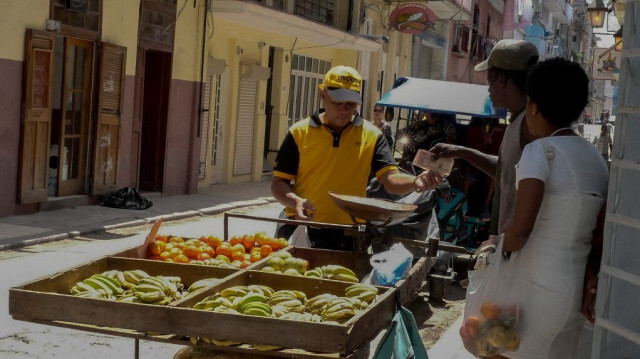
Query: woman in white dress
x=561 y=183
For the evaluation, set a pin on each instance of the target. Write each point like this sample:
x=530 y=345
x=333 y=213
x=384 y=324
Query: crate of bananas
x=311 y=313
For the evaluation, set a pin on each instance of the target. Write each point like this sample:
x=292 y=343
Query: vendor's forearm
x=282 y=191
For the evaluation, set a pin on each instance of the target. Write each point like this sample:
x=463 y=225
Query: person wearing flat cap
x=335 y=150
x=507 y=68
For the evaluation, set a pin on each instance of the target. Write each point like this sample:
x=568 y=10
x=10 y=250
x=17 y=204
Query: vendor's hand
x=589 y=298
x=304 y=209
x=446 y=150
x=427 y=180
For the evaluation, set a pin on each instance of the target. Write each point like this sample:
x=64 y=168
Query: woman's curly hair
x=560 y=89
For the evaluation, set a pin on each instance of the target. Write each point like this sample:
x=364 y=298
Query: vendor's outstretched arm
x=283 y=192
x=401 y=183
x=484 y=162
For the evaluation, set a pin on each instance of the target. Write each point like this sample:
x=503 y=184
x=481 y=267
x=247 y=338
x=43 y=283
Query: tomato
x=191 y=251
x=161 y=238
x=235 y=240
x=225 y=249
x=248 y=242
x=156 y=247
x=181 y=258
x=176 y=239
x=203 y=256
x=213 y=241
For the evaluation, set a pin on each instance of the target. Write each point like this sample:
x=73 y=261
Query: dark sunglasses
x=377 y=110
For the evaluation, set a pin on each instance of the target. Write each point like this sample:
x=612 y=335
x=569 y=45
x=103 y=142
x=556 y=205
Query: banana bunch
x=98 y=286
x=202 y=284
x=261 y=289
x=212 y=302
x=285 y=301
x=338 y=310
x=130 y=278
x=213 y=263
x=333 y=271
x=363 y=293
x=157 y=290
x=254 y=304
x=316 y=304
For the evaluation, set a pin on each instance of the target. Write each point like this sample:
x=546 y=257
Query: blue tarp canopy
x=440 y=96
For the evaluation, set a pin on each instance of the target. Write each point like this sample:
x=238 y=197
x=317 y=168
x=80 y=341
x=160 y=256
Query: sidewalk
x=46 y=226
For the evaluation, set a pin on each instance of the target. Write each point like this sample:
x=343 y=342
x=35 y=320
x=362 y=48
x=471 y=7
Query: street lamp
x=618 y=39
x=597 y=13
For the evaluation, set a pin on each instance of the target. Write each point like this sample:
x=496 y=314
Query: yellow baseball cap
x=343 y=84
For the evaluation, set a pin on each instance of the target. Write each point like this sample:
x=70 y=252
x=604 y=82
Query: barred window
x=82 y=14
x=304 y=93
x=318 y=10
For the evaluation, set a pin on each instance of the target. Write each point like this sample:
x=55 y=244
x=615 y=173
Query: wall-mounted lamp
x=597 y=12
x=618 y=39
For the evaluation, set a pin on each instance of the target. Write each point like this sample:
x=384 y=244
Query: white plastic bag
x=390 y=266
x=492 y=309
x=300 y=238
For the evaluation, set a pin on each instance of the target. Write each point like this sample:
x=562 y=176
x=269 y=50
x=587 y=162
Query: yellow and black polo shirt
x=319 y=160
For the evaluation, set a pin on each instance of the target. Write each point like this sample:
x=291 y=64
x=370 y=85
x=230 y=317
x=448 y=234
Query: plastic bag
x=390 y=266
x=127 y=198
x=491 y=312
x=299 y=238
x=403 y=339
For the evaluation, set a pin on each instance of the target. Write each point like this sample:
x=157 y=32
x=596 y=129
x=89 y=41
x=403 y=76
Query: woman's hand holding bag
x=491 y=313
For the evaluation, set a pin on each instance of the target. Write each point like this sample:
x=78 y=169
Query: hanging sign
x=606 y=64
x=412 y=18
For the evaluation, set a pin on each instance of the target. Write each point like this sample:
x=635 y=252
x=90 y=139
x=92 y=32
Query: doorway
x=68 y=164
x=155 y=105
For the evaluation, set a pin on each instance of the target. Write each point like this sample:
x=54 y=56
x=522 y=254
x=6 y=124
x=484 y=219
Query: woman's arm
x=528 y=200
x=593 y=268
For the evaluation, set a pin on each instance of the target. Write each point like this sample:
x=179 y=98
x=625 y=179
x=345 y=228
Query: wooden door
x=36 y=123
x=109 y=114
x=76 y=91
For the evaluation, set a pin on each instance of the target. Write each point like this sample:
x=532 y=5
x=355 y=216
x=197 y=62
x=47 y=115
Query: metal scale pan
x=372 y=209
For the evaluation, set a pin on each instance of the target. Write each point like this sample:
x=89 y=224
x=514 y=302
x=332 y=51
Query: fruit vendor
x=335 y=150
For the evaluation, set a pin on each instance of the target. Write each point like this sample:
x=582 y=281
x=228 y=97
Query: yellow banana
x=345 y=278
x=340 y=316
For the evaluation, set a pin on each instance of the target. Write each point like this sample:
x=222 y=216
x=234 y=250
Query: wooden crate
x=48 y=299
x=408 y=287
x=317 y=337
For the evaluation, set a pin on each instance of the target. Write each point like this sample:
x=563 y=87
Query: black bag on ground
x=127 y=198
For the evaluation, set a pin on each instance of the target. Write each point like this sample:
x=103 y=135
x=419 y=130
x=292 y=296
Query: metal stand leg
x=136 y=349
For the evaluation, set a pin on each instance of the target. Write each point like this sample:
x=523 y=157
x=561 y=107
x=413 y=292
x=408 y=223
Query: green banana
x=150 y=297
x=257 y=312
x=345 y=277
x=113 y=284
x=339 y=316
x=98 y=285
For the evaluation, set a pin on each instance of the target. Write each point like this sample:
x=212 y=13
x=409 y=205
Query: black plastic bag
x=127 y=198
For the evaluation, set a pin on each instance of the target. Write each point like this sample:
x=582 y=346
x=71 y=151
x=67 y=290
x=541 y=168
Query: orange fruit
x=164 y=256
x=490 y=310
x=472 y=325
x=202 y=256
x=284 y=243
x=213 y=241
x=156 y=247
x=248 y=242
x=265 y=250
x=208 y=250
x=225 y=249
x=237 y=256
x=222 y=257
x=235 y=240
x=174 y=252
x=238 y=248
x=161 y=238
x=261 y=238
x=181 y=258
x=176 y=239
x=191 y=251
